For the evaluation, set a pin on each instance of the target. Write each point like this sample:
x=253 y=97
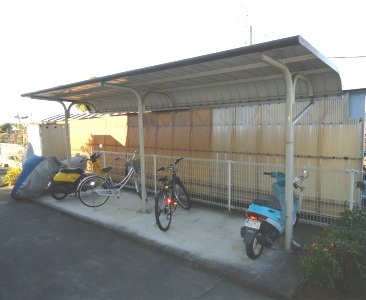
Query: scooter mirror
x=305 y=174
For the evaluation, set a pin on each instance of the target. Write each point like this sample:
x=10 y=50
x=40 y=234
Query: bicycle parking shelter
x=284 y=70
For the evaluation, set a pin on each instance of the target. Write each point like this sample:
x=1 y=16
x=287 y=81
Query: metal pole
x=141 y=108
x=104 y=159
x=155 y=179
x=229 y=185
x=67 y=133
x=289 y=169
x=141 y=111
x=352 y=188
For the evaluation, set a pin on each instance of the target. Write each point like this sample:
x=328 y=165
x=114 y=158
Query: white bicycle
x=95 y=190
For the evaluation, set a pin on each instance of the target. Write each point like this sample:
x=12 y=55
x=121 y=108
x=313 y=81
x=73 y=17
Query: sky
x=47 y=43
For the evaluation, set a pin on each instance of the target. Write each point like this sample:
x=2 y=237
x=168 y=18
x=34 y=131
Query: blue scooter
x=265 y=220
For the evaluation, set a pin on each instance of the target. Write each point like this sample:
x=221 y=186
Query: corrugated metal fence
x=235 y=185
x=227 y=149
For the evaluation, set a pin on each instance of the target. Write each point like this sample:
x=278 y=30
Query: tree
x=13 y=133
x=5 y=132
x=6 y=128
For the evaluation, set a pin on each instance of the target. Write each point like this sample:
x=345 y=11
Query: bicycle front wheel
x=163 y=211
x=181 y=195
x=90 y=191
x=137 y=181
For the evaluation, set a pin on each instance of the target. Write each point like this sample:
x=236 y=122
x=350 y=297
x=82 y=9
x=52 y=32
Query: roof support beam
x=67 y=132
x=290 y=122
x=309 y=85
x=141 y=111
x=289 y=164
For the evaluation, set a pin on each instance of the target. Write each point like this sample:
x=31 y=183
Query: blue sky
x=50 y=43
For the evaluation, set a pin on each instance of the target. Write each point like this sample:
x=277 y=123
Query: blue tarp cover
x=36 y=172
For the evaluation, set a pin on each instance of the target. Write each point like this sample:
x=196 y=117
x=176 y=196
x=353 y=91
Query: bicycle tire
x=137 y=182
x=87 y=193
x=163 y=211
x=181 y=195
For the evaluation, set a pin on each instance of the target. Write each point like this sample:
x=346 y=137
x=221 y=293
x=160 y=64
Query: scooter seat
x=271 y=202
x=72 y=170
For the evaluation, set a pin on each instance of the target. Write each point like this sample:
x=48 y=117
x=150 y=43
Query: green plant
x=360 y=185
x=12 y=175
x=335 y=259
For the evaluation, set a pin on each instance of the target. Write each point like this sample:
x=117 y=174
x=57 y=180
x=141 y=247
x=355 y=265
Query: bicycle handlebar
x=171 y=166
x=178 y=160
x=133 y=157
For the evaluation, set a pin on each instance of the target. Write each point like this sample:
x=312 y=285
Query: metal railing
x=235 y=185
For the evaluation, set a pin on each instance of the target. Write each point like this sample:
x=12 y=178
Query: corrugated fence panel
x=209 y=139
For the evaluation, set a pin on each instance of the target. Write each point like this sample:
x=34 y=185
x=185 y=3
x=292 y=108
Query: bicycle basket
x=132 y=163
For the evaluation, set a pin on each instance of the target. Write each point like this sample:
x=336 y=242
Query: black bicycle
x=171 y=193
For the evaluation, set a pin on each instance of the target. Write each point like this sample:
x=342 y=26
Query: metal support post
x=352 y=189
x=141 y=111
x=155 y=179
x=289 y=169
x=229 y=184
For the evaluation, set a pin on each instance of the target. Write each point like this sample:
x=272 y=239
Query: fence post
x=104 y=159
x=155 y=183
x=229 y=184
x=351 y=191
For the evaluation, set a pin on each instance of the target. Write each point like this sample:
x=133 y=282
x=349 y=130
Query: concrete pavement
x=205 y=236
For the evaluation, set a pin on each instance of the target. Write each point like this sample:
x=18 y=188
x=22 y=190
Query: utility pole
x=21 y=128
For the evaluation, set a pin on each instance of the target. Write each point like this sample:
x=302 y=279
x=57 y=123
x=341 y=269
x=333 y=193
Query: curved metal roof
x=226 y=78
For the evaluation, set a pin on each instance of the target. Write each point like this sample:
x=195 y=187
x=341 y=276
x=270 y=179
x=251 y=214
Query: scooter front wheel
x=254 y=249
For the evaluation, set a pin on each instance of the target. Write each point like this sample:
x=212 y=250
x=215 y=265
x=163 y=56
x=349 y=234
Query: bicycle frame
x=116 y=187
x=171 y=193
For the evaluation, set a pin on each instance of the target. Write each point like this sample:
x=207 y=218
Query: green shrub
x=12 y=175
x=336 y=258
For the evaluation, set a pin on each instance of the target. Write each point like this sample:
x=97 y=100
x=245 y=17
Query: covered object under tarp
x=35 y=175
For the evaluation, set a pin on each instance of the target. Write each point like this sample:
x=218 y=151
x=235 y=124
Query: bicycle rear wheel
x=163 y=211
x=181 y=195
x=88 y=191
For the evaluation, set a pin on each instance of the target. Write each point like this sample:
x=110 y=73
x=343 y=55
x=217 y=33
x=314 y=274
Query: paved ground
x=46 y=254
x=205 y=237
